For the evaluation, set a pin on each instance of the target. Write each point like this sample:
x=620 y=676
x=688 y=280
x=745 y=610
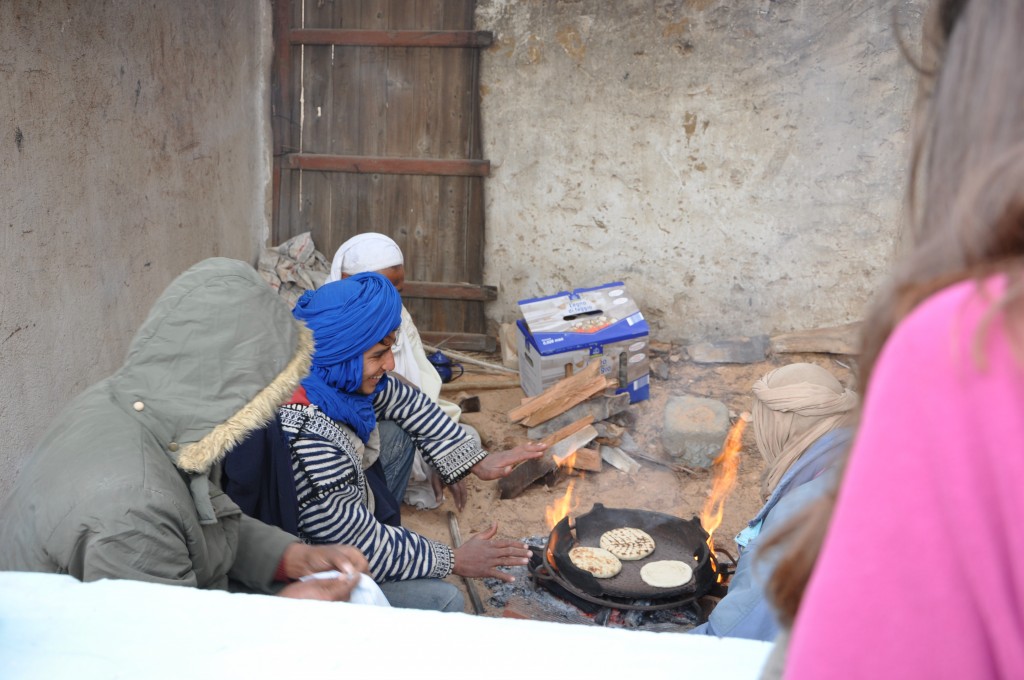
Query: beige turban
x=793 y=407
x=369 y=252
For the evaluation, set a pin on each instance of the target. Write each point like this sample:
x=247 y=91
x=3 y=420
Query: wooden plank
x=449 y=291
x=530 y=471
x=585 y=459
x=619 y=459
x=560 y=452
x=835 y=340
x=464 y=167
x=461 y=385
x=598 y=408
x=377 y=38
x=570 y=429
x=565 y=386
x=473 y=342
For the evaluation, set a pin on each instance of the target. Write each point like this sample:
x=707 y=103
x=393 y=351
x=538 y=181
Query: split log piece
x=609 y=430
x=619 y=459
x=561 y=389
x=569 y=445
x=585 y=459
x=529 y=471
x=600 y=407
x=543 y=409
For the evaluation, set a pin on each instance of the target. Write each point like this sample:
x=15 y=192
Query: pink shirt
x=922 y=572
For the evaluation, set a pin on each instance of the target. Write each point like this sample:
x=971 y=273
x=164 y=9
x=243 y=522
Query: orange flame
x=725 y=467
x=554 y=513
x=568 y=462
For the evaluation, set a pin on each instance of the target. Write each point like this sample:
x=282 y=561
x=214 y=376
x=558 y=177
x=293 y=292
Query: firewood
x=562 y=396
x=619 y=459
x=609 y=429
x=528 y=472
x=561 y=450
x=588 y=460
x=562 y=389
x=600 y=407
x=570 y=429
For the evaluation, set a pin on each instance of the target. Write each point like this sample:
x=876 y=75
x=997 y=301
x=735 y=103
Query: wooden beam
x=474 y=342
x=449 y=291
x=454 y=167
x=377 y=38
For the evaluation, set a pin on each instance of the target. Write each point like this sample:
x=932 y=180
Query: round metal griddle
x=674 y=539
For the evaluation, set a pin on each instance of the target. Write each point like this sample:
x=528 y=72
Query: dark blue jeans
x=389 y=476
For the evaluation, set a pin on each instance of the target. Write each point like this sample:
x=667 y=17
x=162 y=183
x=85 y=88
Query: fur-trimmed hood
x=217 y=354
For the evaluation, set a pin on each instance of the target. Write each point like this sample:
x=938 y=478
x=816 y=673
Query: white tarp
x=53 y=626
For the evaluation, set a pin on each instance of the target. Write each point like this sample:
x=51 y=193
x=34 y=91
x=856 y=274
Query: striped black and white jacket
x=334 y=498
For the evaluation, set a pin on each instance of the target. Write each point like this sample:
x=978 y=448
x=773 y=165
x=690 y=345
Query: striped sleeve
x=332 y=496
x=442 y=441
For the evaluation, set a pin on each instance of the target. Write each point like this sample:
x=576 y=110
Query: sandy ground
x=652 y=488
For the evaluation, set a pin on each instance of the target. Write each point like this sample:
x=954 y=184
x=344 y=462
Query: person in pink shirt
x=915 y=568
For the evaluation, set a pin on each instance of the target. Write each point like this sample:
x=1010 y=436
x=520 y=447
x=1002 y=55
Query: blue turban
x=347 y=318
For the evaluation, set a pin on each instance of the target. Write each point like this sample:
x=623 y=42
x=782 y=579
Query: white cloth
x=368 y=252
x=52 y=626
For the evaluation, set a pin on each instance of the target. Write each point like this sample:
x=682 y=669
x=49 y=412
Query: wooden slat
x=280 y=106
x=467 y=167
x=474 y=342
x=373 y=38
x=448 y=291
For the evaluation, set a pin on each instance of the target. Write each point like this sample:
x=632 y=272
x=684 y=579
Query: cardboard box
x=560 y=334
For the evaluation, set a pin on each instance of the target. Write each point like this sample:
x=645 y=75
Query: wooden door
x=376 y=123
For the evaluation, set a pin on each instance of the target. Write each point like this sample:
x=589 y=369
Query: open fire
x=554 y=513
x=725 y=468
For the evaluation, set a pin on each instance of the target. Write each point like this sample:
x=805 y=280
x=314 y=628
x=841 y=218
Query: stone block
x=695 y=429
x=730 y=351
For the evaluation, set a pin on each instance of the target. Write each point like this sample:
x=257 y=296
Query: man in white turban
x=373 y=252
x=803 y=421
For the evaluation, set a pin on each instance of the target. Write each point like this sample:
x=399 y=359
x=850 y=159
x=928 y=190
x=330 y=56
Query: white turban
x=368 y=252
x=793 y=407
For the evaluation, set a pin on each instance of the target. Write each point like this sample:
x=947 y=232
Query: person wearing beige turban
x=802 y=424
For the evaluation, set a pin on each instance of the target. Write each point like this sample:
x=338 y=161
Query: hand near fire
x=482 y=554
x=498 y=464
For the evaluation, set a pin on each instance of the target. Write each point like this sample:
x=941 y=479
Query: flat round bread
x=666 y=573
x=627 y=543
x=600 y=563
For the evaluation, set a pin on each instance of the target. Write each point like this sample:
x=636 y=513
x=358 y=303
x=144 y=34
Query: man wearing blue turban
x=348 y=480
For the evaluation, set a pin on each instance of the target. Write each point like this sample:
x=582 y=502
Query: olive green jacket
x=123 y=485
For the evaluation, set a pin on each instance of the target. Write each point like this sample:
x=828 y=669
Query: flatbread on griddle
x=666 y=573
x=627 y=543
x=599 y=562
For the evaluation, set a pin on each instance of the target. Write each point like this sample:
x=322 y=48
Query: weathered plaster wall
x=135 y=142
x=739 y=165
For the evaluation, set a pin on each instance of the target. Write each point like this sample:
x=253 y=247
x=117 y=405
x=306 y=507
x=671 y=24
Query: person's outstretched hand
x=482 y=554
x=499 y=464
